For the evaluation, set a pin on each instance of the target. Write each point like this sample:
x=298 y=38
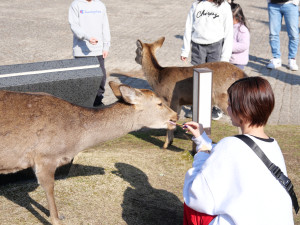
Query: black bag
x=275 y=170
x=278 y=1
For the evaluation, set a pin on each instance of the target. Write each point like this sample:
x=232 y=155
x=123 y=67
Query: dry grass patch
x=129 y=180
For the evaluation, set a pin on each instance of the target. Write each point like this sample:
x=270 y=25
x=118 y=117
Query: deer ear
x=130 y=95
x=139 y=44
x=160 y=41
x=115 y=88
x=156 y=45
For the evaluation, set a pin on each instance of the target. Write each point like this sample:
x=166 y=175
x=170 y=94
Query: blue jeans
x=290 y=13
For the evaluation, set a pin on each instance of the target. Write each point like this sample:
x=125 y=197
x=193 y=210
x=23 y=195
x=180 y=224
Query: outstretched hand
x=195 y=128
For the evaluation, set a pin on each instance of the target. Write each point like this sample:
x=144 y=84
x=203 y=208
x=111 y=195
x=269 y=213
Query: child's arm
x=242 y=42
x=228 y=34
x=74 y=23
x=187 y=38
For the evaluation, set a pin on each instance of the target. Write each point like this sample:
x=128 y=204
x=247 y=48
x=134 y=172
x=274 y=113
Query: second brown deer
x=44 y=132
x=175 y=84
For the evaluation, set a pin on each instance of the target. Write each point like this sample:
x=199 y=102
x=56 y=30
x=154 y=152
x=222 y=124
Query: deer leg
x=170 y=132
x=169 y=138
x=45 y=176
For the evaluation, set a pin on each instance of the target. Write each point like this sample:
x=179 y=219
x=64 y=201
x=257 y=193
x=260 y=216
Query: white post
x=202 y=94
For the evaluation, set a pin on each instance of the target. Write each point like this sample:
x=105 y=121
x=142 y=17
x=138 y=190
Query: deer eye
x=160 y=104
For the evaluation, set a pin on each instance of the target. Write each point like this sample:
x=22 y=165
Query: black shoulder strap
x=275 y=170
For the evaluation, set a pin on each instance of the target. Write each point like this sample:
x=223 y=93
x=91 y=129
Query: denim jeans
x=290 y=13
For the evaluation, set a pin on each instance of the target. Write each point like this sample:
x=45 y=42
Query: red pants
x=192 y=217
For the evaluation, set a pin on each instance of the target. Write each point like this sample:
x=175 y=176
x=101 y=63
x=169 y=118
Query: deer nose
x=175 y=117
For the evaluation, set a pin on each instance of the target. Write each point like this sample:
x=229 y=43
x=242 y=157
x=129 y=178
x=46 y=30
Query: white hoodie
x=89 y=19
x=208 y=23
x=233 y=183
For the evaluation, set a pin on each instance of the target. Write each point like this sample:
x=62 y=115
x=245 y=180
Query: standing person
x=228 y=179
x=241 y=37
x=89 y=24
x=289 y=10
x=209 y=30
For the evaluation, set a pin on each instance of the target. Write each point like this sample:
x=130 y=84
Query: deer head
x=143 y=48
x=150 y=110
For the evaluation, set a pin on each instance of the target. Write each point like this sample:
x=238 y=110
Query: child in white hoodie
x=209 y=30
x=89 y=24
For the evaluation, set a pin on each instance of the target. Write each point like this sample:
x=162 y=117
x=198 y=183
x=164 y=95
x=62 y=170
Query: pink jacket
x=241 y=44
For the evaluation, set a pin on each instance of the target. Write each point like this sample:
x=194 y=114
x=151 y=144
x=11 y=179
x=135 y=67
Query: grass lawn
x=129 y=180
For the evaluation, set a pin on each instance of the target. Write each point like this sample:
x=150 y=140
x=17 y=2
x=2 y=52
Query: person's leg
x=291 y=15
x=101 y=90
x=275 y=20
x=198 y=54
x=214 y=51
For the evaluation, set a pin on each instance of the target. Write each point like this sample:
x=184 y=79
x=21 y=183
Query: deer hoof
x=166 y=144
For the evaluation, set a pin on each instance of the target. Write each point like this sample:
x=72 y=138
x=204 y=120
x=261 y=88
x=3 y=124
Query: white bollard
x=202 y=97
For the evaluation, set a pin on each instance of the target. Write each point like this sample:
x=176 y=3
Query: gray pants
x=101 y=90
x=206 y=53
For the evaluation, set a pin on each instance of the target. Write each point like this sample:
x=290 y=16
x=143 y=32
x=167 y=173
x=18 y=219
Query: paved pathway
x=34 y=31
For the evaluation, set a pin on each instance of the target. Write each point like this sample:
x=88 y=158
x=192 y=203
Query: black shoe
x=98 y=105
x=98 y=101
x=216 y=113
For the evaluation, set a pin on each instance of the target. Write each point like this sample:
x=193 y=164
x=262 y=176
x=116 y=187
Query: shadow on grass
x=144 y=204
x=19 y=185
x=157 y=137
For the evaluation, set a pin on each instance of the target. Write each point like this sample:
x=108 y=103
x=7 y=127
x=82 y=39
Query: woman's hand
x=195 y=128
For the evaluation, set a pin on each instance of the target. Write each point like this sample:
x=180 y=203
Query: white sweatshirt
x=208 y=23
x=233 y=183
x=89 y=19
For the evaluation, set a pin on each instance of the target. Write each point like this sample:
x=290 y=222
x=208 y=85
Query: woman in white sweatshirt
x=209 y=30
x=228 y=179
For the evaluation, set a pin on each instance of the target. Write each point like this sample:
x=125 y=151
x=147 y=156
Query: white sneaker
x=274 y=63
x=293 y=65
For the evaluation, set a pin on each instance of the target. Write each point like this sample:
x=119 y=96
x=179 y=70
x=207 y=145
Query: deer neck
x=151 y=70
x=109 y=123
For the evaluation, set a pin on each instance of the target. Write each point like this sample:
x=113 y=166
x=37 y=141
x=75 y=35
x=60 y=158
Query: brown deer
x=44 y=132
x=175 y=84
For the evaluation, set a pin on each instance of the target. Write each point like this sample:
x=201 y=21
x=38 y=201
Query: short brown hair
x=252 y=100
